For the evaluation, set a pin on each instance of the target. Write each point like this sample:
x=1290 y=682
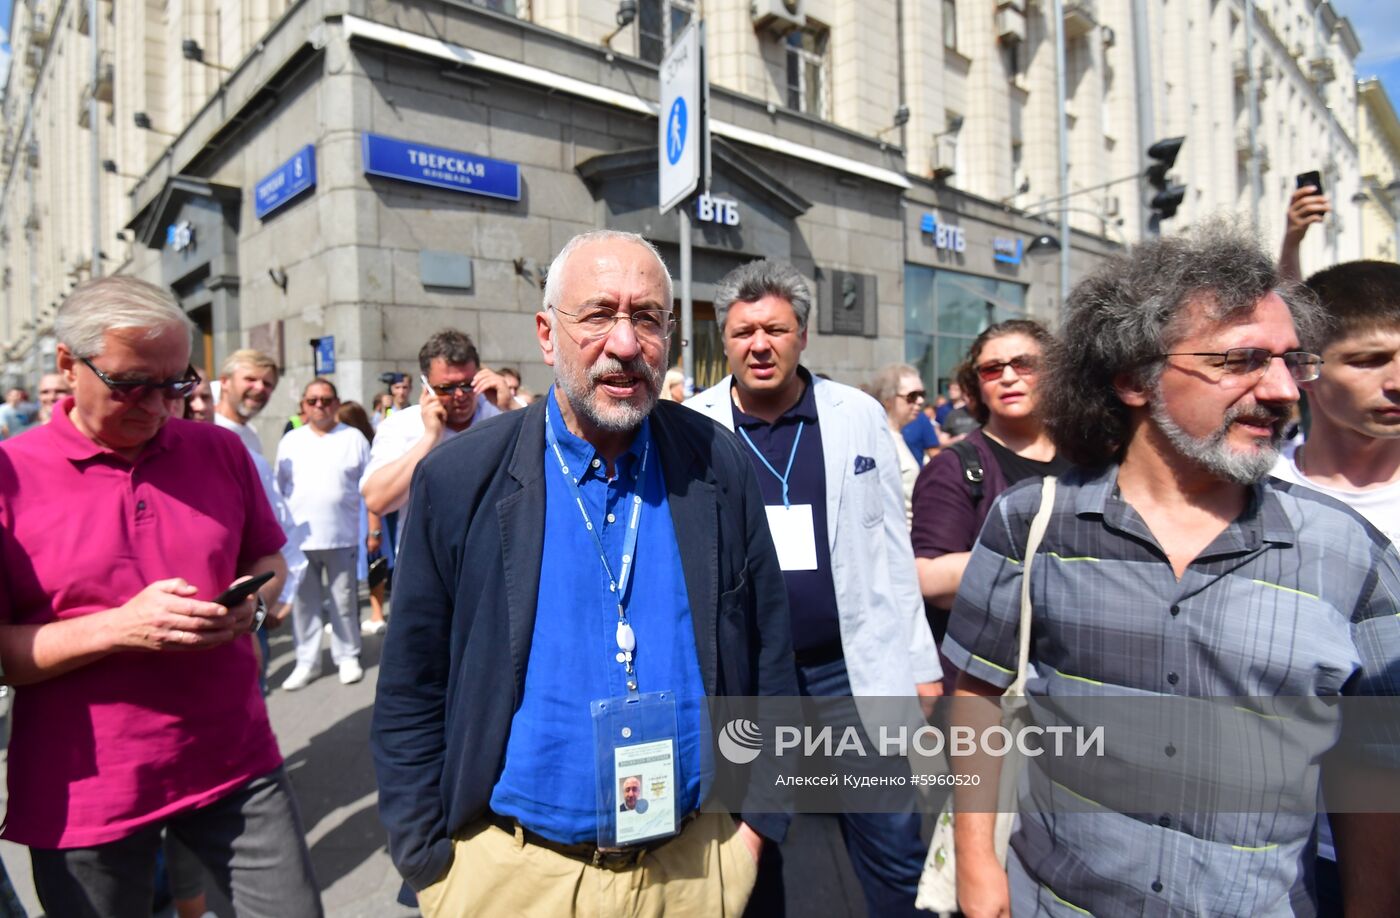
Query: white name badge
x=793 y=536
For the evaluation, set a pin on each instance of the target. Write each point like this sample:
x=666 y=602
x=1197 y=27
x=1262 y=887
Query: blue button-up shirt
x=549 y=782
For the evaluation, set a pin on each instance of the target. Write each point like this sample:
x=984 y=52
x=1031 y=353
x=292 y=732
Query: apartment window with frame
x=950 y=24
x=660 y=22
x=807 y=71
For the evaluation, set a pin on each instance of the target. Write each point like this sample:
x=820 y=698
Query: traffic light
x=1168 y=197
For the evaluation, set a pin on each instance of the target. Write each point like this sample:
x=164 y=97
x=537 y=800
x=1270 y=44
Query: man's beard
x=616 y=417
x=1213 y=453
x=246 y=410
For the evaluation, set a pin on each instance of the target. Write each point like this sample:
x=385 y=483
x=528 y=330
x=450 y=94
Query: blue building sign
x=452 y=169
x=285 y=182
x=325 y=355
x=943 y=236
x=1006 y=251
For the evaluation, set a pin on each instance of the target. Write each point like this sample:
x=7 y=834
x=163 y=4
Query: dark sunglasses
x=1024 y=365
x=448 y=389
x=320 y=400
x=914 y=397
x=134 y=390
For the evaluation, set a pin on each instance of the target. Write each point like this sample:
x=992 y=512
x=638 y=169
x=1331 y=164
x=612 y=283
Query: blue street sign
x=457 y=171
x=325 y=355
x=675 y=131
x=285 y=182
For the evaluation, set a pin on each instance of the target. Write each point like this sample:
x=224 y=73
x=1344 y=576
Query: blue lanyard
x=764 y=459
x=626 y=638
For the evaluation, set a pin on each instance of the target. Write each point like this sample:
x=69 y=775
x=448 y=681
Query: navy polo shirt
x=811 y=595
x=548 y=781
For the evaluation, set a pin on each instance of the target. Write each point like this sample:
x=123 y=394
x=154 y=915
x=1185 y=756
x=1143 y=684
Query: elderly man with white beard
x=529 y=612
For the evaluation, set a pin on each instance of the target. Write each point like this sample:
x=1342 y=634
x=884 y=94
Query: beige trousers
x=705 y=871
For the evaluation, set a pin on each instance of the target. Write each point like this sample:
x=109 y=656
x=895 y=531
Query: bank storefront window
x=944 y=311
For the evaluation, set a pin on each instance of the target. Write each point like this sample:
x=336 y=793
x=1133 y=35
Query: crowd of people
x=574 y=574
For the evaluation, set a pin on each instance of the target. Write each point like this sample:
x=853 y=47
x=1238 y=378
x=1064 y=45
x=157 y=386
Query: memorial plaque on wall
x=849 y=304
x=267 y=338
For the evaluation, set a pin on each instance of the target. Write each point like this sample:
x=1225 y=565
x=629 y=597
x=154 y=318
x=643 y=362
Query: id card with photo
x=635 y=757
x=645 y=776
x=794 y=536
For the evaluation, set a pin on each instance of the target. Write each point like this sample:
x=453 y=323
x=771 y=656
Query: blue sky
x=1378 y=28
x=4 y=38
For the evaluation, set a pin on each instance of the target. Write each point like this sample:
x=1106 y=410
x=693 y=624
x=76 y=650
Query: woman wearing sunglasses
x=900 y=391
x=957 y=487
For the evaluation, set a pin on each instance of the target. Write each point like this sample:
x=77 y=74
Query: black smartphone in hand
x=1313 y=179
x=241 y=591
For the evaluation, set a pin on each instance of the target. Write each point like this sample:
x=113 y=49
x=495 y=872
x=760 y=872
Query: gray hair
x=1132 y=309
x=106 y=304
x=757 y=279
x=554 y=279
x=884 y=386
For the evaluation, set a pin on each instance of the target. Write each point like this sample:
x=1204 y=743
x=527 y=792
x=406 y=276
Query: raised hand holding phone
x=434 y=411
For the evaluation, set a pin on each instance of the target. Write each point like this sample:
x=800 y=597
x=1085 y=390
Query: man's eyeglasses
x=914 y=397
x=447 y=390
x=323 y=401
x=134 y=390
x=1241 y=363
x=595 y=322
x=1025 y=365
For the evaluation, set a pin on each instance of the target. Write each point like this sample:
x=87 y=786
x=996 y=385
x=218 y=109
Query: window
x=659 y=22
x=807 y=71
x=950 y=24
x=496 y=6
x=944 y=311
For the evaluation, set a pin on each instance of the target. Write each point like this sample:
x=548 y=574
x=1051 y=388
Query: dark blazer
x=453 y=669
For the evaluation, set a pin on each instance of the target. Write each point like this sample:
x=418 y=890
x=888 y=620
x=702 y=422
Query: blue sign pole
x=454 y=170
x=286 y=182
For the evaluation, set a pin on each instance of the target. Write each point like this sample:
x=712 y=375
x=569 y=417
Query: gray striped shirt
x=1296 y=597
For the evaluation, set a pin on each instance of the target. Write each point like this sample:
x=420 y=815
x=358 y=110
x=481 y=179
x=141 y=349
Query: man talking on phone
x=140 y=709
x=452 y=380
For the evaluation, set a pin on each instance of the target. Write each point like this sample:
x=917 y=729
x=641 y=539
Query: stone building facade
x=1379 y=198
x=207 y=109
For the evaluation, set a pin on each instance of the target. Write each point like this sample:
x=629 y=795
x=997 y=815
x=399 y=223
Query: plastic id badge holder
x=634 y=742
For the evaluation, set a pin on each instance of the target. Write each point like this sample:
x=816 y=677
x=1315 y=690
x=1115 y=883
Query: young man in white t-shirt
x=1352 y=451
x=318 y=471
x=459 y=394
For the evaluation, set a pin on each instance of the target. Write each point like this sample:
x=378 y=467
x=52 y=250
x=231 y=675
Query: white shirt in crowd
x=244 y=431
x=399 y=431
x=319 y=475
x=291 y=550
x=295 y=533
x=1380 y=506
x=908 y=473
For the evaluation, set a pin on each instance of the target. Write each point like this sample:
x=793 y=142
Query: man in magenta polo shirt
x=138 y=708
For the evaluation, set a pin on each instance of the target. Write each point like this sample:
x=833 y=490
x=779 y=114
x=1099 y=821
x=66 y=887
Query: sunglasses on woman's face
x=1023 y=365
x=914 y=397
